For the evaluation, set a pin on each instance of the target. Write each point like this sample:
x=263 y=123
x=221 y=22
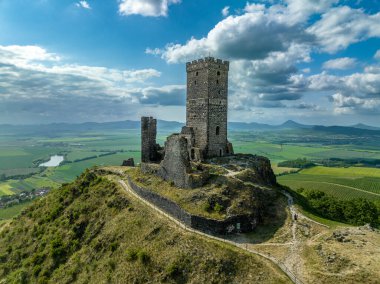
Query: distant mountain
x=364 y=126
x=346 y=130
x=290 y=124
x=57 y=129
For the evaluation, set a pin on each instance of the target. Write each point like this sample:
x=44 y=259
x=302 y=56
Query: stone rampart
x=234 y=224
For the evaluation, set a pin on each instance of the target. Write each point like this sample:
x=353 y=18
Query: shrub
x=131 y=254
x=143 y=257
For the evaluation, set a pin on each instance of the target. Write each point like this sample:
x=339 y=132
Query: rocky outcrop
x=128 y=163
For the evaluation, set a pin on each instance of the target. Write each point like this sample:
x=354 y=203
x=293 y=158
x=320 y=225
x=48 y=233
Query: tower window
x=218 y=73
x=217 y=130
x=217 y=81
x=219 y=92
x=195 y=82
x=196 y=73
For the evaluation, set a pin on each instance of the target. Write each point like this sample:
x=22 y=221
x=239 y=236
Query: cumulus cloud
x=147 y=8
x=171 y=95
x=301 y=10
x=226 y=11
x=83 y=4
x=253 y=35
x=340 y=63
x=350 y=104
x=38 y=84
x=342 y=26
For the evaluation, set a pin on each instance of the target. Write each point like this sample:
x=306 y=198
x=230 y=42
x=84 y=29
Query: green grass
x=343 y=183
x=19 y=172
x=104 y=235
x=69 y=172
x=13 y=211
x=336 y=190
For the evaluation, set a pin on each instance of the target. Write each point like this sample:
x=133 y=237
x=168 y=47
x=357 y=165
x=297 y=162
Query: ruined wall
x=148 y=139
x=176 y=164
x=234 y=224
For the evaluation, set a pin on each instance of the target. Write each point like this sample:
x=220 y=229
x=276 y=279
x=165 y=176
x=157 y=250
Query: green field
x=11 y=212
x=343 y=183
x=5 y=189
x=343 y=172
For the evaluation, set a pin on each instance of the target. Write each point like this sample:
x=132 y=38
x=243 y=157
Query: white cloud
x=342 y=26
x=377 y=54
x=148 y=8
x=340 y=63
x=350 y=104
x=253 y=35
x=301 y=10
x=226 y=11
x=83 y=4
x=36 y=84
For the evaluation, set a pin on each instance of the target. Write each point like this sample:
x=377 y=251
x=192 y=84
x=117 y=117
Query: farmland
x=343 y=183
x=82 y=147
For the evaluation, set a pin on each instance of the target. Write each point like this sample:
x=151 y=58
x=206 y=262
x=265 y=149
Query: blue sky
x=313 y=61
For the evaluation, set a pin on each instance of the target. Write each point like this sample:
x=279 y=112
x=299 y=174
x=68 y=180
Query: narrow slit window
x=217 y=81
x=217 y=130
x=218 y=73
x=196 y=73
x=195 y=82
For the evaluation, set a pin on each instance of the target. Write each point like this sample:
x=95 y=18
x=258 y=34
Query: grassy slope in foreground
x=92 y=231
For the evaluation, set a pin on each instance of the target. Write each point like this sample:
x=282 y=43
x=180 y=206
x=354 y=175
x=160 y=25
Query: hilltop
x=91 y=230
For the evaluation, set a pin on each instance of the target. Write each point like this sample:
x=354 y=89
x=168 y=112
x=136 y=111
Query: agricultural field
x=343 y=183
x=21 y=153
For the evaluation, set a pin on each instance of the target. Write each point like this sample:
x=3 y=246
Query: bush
x=356 y=211
x=143 y=257
x=131 y=254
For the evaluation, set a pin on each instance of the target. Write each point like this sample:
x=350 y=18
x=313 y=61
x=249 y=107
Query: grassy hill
x=91 y=231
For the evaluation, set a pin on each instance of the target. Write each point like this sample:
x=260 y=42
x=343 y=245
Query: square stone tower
x=206 y=105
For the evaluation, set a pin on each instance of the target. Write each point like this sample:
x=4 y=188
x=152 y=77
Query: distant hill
x=174 y=126
x=345 y=130
x=364 y=126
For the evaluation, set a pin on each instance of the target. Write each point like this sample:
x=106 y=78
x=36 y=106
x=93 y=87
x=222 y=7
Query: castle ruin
x=205 y=133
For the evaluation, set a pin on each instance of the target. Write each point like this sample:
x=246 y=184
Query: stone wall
x=234 y=224
x=176 y=164
x=149 y=147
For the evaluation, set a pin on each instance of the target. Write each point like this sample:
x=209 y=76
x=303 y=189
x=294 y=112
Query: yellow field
x=5 y=189
x=343 y=172
x=279 y=170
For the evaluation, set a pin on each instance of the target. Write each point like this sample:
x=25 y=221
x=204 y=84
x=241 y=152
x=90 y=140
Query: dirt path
x=243 y=246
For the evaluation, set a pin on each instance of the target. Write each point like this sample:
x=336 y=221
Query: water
x=53 y=162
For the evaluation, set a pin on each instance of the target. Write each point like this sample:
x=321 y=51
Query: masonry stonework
x=206 y=105
x=149 y=147
x=205 y=133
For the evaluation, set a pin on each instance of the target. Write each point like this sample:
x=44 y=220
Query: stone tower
x=148 y=139
x=206 y=105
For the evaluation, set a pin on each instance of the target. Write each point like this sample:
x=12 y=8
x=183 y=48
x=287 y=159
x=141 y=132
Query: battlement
x=207 y=62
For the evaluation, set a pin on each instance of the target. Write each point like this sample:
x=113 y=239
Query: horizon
x=183 y=122
x=94 y=61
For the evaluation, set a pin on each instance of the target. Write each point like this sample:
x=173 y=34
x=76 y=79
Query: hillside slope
x=92 y=231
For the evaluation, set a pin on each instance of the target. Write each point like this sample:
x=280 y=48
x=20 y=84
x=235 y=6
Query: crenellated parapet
x=207 y=62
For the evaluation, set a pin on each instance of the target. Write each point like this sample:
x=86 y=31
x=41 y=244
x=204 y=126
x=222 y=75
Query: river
x=53 y=162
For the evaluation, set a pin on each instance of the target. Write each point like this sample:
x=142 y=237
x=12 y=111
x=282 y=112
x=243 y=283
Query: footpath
x=242 y=246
